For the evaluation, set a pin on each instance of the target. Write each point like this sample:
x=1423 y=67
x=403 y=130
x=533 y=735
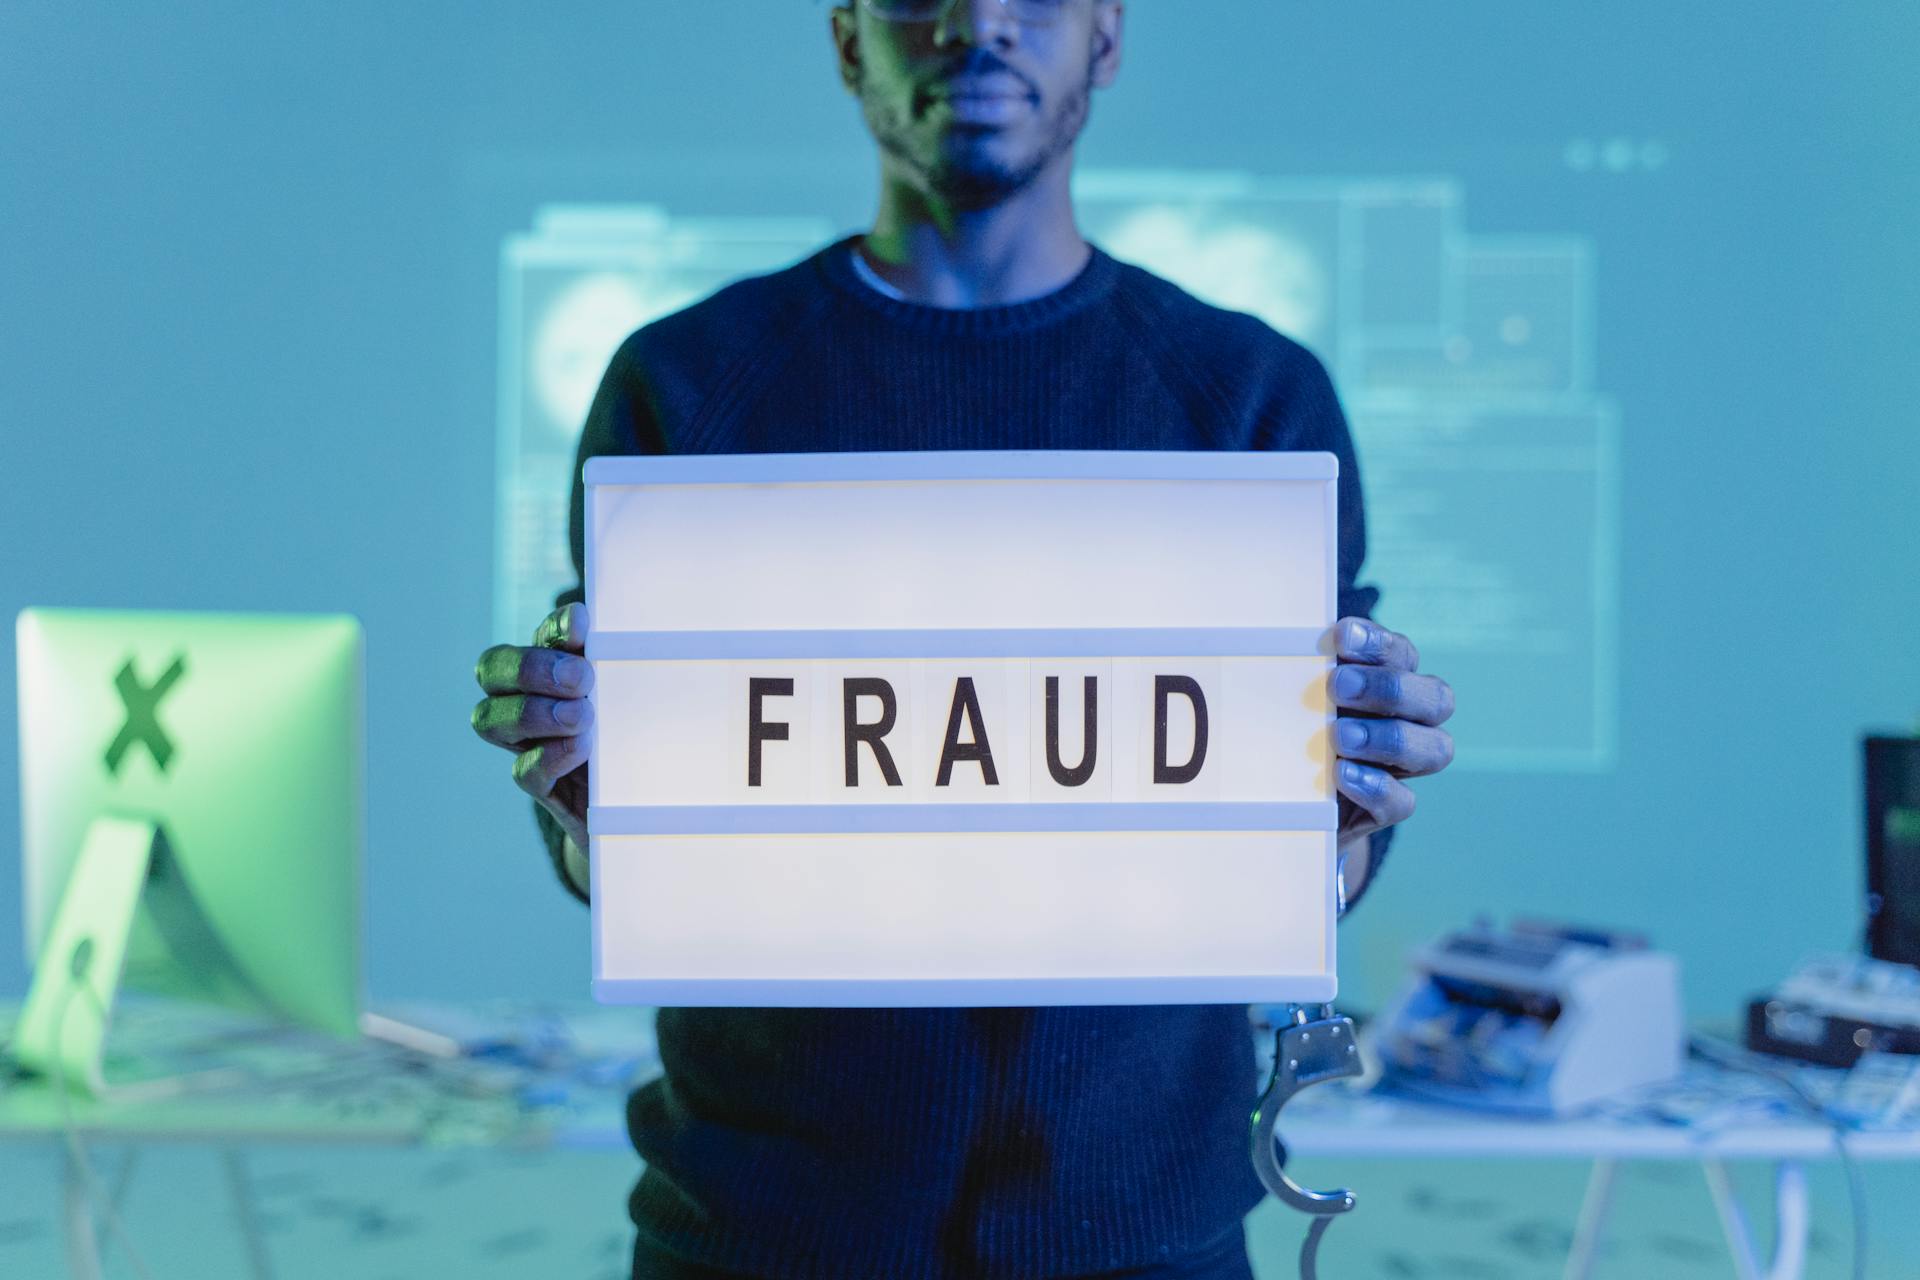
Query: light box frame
x=603 y=473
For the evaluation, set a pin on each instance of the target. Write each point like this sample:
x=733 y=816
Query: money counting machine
x=1534 y=1019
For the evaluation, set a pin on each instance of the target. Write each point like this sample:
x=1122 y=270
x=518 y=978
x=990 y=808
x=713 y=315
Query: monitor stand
x=125 y=866
x=63 y=1025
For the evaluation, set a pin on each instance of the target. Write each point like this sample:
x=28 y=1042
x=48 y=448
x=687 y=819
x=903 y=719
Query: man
x=933 y=1143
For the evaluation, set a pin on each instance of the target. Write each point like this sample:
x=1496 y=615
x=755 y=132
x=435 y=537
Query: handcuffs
x=1315 y=1046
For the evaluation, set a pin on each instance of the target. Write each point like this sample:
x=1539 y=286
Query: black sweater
x=924 y=1143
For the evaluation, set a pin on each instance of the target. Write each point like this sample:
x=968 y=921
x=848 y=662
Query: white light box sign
x=962 y=728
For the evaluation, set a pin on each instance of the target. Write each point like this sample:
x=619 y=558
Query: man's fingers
x=515 y=719
x=507 y=668
x=564 y=628
x=1382 y=795
x=1387 y=691
x=1401 y=745
x=539 y=767
x=1361 y=640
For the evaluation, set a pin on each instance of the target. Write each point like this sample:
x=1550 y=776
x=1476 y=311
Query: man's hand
x=536 y=707
x=1396 y=732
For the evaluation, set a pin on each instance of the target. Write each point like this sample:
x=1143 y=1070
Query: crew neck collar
x=1093 y=283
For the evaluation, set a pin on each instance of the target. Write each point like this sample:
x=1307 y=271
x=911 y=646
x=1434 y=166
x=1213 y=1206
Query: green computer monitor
x=192 y=807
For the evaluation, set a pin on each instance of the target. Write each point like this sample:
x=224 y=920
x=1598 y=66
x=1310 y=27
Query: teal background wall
x=248 y=261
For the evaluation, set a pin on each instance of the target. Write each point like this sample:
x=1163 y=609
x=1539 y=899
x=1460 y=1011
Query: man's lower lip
x=984 y=108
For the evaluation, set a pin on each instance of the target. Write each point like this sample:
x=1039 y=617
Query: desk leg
x=1593 y=1219
x=240 y=1188
x=1791 y=1216
x=83 y=1250
x=117 y=1196
x=1733 y=1222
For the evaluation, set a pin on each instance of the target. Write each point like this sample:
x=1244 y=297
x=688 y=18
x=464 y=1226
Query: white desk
x=548 y=1074
x=558 y=1077
x=1329 y=1123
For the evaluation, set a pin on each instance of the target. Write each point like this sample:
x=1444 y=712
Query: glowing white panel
x=974 y=919
x=1041 y=553
x=961 y=728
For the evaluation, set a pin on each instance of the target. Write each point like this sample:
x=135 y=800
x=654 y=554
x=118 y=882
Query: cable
x=97 y=1199
x=1737 y=1059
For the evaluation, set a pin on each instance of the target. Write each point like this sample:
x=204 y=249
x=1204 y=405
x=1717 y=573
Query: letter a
x=966 y=705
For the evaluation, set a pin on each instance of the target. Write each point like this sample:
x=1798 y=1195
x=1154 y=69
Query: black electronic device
x=1893 y=848
x=1834 y=1008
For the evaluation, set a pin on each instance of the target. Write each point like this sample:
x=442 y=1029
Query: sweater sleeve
x=1308 y=417
x=621 y=420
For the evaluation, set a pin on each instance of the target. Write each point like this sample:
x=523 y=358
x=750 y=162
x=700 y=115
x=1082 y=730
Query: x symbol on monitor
x=142 y=724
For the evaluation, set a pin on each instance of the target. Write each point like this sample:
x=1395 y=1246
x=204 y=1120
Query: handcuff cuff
x=1315 y=1045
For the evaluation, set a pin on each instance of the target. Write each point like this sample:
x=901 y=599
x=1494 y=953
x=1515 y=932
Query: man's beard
x=957 y=172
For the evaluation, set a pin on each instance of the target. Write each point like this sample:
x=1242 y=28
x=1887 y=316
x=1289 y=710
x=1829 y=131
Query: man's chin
x=979 y=183
x=974 y=190
x=965 y=173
